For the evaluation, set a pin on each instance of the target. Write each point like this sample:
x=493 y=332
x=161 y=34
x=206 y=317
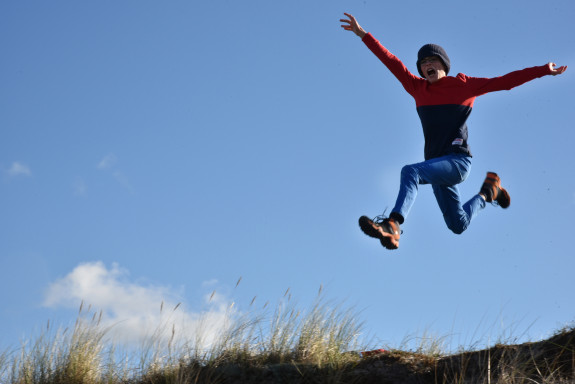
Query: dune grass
x=318 y=337
x=73 y=355
x=284 y=345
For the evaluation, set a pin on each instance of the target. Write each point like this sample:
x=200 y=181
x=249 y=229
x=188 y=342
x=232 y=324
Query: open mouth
x=430 y=72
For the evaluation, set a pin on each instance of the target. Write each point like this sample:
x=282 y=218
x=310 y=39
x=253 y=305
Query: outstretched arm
x=397 y=68
x=556 y=71
x=351 y=24
x=481 y=86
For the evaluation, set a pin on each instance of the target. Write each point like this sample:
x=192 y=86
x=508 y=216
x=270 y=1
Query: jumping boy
x=443 y=104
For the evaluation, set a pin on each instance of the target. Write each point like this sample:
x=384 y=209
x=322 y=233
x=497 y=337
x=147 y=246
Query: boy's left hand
x=556 y=71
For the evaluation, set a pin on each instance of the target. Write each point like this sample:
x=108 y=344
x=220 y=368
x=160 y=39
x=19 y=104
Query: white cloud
x=134 y=312
x=17 y=169
x=107 y=162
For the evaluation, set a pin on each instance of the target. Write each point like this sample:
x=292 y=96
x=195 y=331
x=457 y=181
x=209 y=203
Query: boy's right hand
x=352 y=25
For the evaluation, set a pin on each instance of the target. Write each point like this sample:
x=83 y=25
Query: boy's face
x=432 y=68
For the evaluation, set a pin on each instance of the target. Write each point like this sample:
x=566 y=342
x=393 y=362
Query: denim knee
x=409 y=172
x=457 y=227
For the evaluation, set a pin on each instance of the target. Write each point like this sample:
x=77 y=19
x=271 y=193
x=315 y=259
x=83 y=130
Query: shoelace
x=381 y=218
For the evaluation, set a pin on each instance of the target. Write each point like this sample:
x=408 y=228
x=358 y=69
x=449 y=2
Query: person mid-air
x=443 y=104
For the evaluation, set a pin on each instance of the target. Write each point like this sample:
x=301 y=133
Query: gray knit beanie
x=433 y=50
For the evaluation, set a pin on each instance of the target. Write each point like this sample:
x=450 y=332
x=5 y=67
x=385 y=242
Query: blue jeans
x=443 y=173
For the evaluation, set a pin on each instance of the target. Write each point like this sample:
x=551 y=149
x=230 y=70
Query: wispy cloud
x=80 y=188
x=18 y=169
x=107 y=162
x=123 y=180
x=136 y=312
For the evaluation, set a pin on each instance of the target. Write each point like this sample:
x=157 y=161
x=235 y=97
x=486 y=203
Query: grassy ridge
x=284 y=345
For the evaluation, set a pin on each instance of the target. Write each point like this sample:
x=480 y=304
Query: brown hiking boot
x=493 y=191
x=385 y=229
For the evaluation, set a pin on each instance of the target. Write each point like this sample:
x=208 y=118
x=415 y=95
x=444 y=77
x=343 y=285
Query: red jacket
x=445 y=105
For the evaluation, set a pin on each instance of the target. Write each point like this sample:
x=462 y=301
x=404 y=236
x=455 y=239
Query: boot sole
x=369 y=228
x=504 y=200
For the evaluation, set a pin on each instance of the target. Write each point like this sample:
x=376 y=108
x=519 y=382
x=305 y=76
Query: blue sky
x=158 y=151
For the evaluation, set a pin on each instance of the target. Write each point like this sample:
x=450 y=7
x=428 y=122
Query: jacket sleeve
x=396 y=67
x=506 y=82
